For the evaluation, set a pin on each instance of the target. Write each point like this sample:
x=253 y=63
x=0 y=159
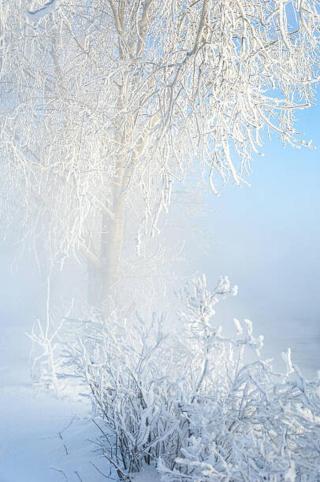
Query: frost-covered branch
x=109 y=103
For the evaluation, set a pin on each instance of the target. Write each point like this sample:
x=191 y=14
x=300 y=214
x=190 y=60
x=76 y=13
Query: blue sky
x=267 y=239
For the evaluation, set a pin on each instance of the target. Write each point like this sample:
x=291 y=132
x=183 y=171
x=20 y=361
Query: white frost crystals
x=196 y=404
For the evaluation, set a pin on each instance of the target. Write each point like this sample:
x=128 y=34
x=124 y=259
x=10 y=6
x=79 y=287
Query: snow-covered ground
x=43 y=438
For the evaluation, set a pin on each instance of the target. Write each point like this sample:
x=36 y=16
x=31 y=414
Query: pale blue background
x=267 y=238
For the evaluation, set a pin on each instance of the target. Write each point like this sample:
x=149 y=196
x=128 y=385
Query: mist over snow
x=160 y=234
x=266 y=237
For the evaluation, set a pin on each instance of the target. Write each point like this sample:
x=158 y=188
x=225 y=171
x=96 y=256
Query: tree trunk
x=111 y=250
x=104 y=275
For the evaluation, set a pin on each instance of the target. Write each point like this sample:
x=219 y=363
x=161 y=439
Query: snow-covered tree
x=107 y=103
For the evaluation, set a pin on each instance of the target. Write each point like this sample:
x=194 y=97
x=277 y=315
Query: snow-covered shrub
x=256 y=426
x=127 y=366
x=49 y=336
x=197 y=404
x=246 y=422
x=45 y=355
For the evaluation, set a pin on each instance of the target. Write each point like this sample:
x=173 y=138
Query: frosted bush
x=198 y=405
